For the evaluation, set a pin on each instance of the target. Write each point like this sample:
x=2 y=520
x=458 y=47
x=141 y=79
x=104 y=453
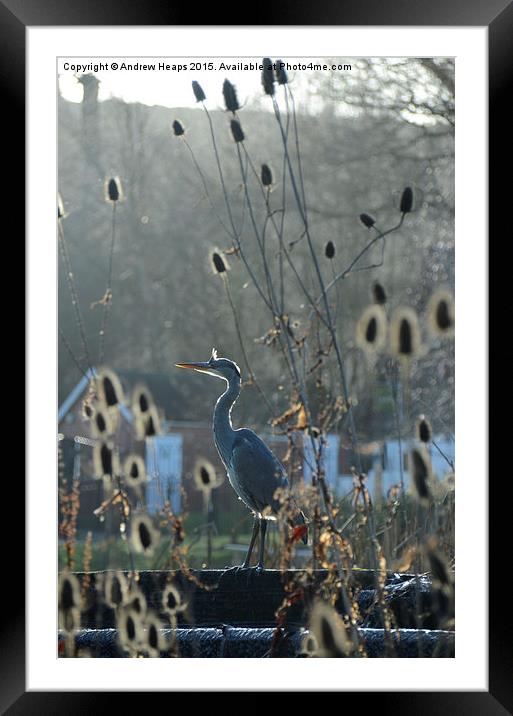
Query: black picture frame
x=497 y=15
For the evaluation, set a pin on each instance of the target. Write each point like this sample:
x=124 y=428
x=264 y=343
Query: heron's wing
x=257 y=471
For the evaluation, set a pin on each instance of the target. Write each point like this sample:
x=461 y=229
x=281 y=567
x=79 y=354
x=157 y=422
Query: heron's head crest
x=218 y=367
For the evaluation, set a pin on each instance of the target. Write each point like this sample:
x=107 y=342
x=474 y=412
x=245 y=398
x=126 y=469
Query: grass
x=112 y=553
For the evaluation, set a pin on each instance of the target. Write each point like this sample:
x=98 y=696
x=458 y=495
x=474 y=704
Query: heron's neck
x=223 y=431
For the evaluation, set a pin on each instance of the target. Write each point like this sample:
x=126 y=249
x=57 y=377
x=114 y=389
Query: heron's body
x=250 y=458
x=254 y=472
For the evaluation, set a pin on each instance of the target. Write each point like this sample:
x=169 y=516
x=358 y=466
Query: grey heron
x=254 y=472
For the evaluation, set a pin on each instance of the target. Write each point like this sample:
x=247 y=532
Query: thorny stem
x=108 y=292
x=331 y=328
x=70 y=278
x=283 y=250
x=72 y=354
x=447 y=459
x=366 y=248
x=235 y=237
x=205 y=187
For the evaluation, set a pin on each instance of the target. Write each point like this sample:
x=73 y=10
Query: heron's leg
x=246 y=562
x=263 y=530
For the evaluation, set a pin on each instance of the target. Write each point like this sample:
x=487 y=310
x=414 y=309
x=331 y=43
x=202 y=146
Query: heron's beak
x=200 y=367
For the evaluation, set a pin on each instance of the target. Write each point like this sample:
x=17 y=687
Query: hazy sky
x=168 y=88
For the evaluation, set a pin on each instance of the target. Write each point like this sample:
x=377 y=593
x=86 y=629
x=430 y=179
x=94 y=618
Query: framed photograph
x=298 y=208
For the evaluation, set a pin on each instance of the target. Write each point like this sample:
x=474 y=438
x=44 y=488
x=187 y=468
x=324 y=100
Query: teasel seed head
x=134 y=471
x=205 y=476
x=109 y=388
x=198 y=91
x=142 y=400
x=329 y=250
x=142 y=407
x=178 y=128
x=440 y=313
x=154 y=641
x=423 y=429
x=309 y=645
x=266 y=175
x=268 y=76
x=144 y=537
x=379 y=294
x=69 y=591
x=329 y=631
x=405 y=334
x=231 y=101
x=371 y=329
x=367 y=220
x=172 y=600
x=69 y=602
x=87 y=409
x=218 y=261
x=61 y=213
x=113 y=189
x=152 y=423
x=237 y=133
x=281 y=74
x=130 y=630
x=406 y=204
x=102 y=425
x=106 y=460
x=137 y=601
x=420 y=467
x=115 y=589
